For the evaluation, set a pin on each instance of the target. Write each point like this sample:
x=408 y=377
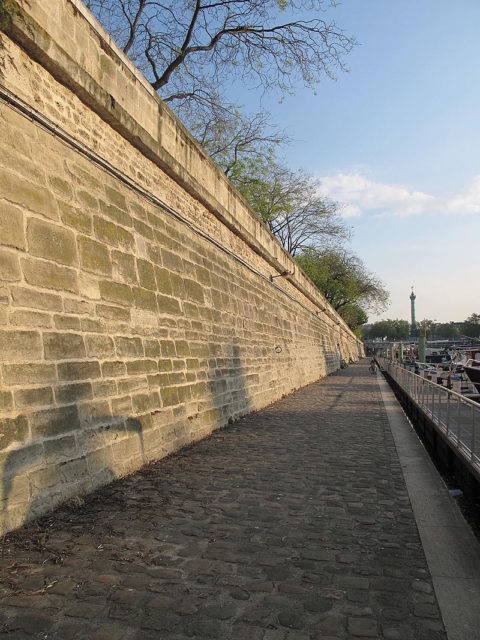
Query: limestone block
x=49 y=275
x=9 y=266
x=70 y=393
x=31 y=196
x=88 y=370
x=54 y=422
x=37 y=397
x=146 y=274
x=94 y=256
x=99 y=346
x=116 y=292
x=24 y=297
x=11 y=226
x=113 y=369
x=124 y=267
x=64 y=323
x=20 y=346
x=13 y=430
x=144 y=299
x=129 y=347
x=49 y=241
x=170 y=306
x=62 y=346
x=105 y=231
x=113 y=313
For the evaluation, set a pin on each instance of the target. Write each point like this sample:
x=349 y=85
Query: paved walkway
x=293 y=524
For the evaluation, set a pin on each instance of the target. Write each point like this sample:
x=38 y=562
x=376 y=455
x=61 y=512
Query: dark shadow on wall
x=54 y=475
x=227 y=398
x=79 y=456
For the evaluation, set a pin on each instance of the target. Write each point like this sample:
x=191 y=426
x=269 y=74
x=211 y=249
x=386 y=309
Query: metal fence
x=456 y=416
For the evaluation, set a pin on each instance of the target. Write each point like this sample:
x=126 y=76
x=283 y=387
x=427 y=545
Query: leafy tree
x=471 y=326
x=446 y=330
x=391 y=329
x=427 y=327
x=288 y=202
x=343 y=279
x=355 y=317
x=193 y=50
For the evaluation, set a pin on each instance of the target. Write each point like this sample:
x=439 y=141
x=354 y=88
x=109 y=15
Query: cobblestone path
x=292 y=524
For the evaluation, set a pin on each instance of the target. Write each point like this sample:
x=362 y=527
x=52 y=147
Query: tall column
x=412 y=312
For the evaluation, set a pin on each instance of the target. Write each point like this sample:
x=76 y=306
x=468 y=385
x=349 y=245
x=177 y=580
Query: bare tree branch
x=193 y=50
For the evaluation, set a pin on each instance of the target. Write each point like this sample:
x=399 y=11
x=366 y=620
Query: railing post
x=440 y=398
x=447 y=419
x=459 y=424
x=472 y=452
x=433 y=402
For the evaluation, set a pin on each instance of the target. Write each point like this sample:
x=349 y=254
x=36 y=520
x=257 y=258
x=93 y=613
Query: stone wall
x=136 y=309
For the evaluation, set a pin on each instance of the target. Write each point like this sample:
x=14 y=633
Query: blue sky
x=397 y=140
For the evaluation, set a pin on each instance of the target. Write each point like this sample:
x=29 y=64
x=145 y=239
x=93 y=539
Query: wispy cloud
x=359 y=194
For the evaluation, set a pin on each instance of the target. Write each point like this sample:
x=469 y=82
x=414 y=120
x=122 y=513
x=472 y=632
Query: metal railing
x=454 y=415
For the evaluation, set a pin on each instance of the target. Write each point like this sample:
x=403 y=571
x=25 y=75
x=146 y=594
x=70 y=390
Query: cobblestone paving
x=293 y=524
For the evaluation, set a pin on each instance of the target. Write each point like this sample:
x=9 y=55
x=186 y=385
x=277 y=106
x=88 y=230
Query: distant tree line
x=400 y=329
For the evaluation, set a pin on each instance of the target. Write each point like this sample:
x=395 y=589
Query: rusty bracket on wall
x=282 y=275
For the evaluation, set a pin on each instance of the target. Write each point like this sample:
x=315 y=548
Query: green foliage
x=345 y=283
x=355 y=317
x=471 y=326
x=260 y=188
x=446 y=331
x=391 y=329
x=343 y=279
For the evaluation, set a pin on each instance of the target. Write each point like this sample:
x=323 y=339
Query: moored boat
x=472 y=370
